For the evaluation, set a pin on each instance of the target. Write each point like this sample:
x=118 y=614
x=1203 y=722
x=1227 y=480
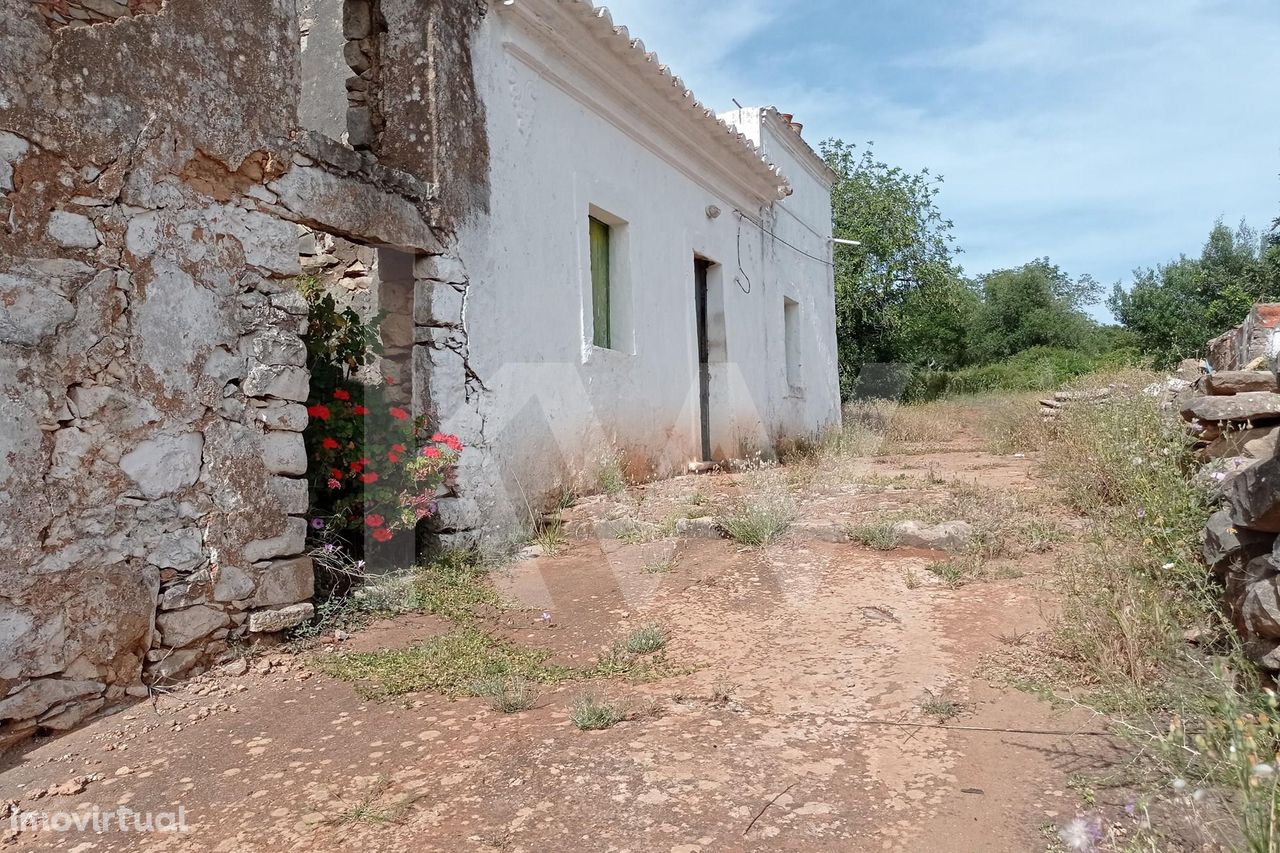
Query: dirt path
x=800 y=666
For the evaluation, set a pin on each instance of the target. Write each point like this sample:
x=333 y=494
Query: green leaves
x=1175 y=308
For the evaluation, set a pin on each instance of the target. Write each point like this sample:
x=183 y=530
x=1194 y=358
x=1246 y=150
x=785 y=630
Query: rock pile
x=1234 y=413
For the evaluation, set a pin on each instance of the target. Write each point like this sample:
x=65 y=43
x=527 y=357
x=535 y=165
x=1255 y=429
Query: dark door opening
x=700 y=267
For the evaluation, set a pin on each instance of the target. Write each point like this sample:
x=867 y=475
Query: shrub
x=590 y=714
x=646 y=639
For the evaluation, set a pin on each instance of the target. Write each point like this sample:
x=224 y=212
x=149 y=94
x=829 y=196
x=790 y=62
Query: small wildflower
x=1168 y=566
x=1179 y=785
x=334 y=483
x=317 y=524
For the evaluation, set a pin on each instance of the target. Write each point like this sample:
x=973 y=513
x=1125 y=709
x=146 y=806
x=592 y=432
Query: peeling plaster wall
x=152 y=375
x=436 y=127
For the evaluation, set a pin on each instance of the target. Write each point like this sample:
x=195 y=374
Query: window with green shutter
x=600 y=283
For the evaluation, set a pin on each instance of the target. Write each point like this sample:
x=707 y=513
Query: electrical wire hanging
x=760 y=225
x=741 y=272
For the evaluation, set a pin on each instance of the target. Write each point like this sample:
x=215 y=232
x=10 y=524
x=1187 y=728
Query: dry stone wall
x=152 y=373
x=1234 y=413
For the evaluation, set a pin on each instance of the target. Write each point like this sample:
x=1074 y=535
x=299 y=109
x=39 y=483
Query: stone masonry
x=153 y=185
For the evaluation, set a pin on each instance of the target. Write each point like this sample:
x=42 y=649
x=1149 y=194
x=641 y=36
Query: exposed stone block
x=357 y=19
x=282 y=582
x=1223 y=541
x=277 y=347
x=1254 y=496
x=284 y=453
x=441 y=268
x=178 y=549
x=1261 y=608
x=1226 y=382
x=187 y=592
x=437 y=303
x=231 y=584
x=183 y=627
x=454 y=514
x=282 y=382
x=292 y=494
x=947 y=536
x=1245 y=406
x=267 y=621
x=42 y=694
x=280 y=415
x=290 y=543
x=166 y=464
x=72 y=230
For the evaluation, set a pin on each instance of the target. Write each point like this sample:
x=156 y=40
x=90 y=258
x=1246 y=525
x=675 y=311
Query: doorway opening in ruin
x=361 y=432
x=708 y=300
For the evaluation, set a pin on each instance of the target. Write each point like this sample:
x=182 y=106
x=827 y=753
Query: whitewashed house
x=650 y=282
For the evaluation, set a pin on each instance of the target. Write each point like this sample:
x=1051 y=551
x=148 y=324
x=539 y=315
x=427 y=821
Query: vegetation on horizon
x=904 y=301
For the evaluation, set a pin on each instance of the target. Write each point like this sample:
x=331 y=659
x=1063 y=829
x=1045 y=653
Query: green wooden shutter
x=600 y=282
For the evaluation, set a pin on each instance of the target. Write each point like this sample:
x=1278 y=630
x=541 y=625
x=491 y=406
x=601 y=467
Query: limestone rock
x=195 y=589
x=288 y=544
x=946 y=536
x=165 y=464
x=231 y=584
x=1226 y=382
x=1254 y=496
x=284 y=453
x=444 y=268
x=282 y=416
x=1223 y=541
x=183 y=627
x=1257 y=443
x=72 y=230
x=281 y=381
x=454 y=514
x=1261 y=608
x=292 y=494
x=282 y=582
x=1245 y=406
x=179 y=549
x=279 y=348
x=267 y=621
x=42 y=694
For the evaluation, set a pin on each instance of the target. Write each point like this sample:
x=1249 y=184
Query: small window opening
x=600 y=284
x=791 y=339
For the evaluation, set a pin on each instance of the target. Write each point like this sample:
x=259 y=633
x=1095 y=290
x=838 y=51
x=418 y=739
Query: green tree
x=1175 y=308
x=899 y=295
x=1034 y=305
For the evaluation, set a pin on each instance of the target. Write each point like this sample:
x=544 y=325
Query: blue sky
x=1105 y=135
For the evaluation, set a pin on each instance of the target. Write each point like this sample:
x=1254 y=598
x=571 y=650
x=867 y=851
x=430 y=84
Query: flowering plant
x=375 y=466
x=371 y=465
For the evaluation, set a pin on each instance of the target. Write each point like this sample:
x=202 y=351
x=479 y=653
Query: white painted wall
x=564 y=145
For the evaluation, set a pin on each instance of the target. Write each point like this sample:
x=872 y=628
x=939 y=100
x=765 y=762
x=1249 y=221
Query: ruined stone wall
x=151 y=369
x=1234 y=413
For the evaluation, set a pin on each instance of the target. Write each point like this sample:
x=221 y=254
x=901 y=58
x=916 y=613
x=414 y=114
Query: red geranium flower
x=335 y=473
x=359 y=410
x=374 y=520
x=399 y=413
x=342 y=394
x=330 y=443
x=454 y=444
x=398 y=448
x=382 y=534
x=392 y=457
x=438 y=437
x=391 y=380
x=369 y=478
x=319 y=411
x=431 y=452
